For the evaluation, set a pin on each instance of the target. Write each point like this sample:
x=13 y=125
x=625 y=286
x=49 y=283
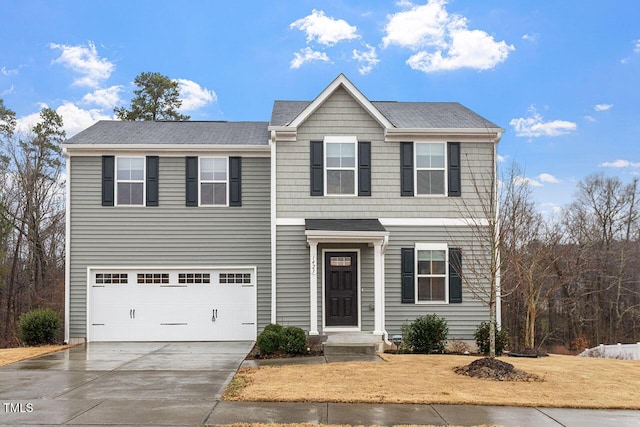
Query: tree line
x=571 y=280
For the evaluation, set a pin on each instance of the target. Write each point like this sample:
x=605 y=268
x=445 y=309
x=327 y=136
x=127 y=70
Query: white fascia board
x=471 y=134
x=341 y=81
x=165 y=149
x=434 y=222
x=329 y=236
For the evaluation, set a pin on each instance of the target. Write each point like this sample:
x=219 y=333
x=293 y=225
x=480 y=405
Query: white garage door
x=179 y=304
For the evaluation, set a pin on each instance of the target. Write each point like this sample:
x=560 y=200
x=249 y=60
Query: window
x=430 y=168
x=340 y=166
x=431 y=273
x=213 y=181
x=194 y=278
x=112 y=278
x=153 y=278
x=130 y=181
x=238 y=278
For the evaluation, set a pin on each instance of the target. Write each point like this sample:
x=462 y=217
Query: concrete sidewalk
x=226 y=412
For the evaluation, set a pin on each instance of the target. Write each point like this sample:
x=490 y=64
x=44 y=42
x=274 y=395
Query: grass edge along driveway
x=568 y=381
x=12 y=355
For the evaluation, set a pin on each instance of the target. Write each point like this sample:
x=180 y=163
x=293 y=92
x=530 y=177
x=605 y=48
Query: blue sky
x=561 y=77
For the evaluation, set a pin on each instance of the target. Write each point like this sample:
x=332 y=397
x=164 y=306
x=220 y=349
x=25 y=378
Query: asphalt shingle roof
x=186 y=132
x=430 y=115
x=344 y=225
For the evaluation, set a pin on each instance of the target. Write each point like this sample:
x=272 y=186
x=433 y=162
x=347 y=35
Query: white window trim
x=213 y=182
x=432 y=247
x=144 y=182
x=415 y=169
x=342 y=140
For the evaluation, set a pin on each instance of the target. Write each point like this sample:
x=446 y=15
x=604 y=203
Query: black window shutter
x=191 y=191
x=152 y=180
x=317 y=172
x=408 y=277
x=406 y=169
x=453 y=154
x=108 y=180
x=455 y=275
x=235 y=184
x=364 y=168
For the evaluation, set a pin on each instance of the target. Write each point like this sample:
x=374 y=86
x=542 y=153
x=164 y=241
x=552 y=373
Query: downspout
x=67 y=247
x=272 y=144
x=385 y=334
x=497 y=219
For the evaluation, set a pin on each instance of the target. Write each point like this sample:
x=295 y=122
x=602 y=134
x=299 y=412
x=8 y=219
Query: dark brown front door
x=341 y=288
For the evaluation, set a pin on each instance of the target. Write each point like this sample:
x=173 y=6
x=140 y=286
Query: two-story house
x=339 y=215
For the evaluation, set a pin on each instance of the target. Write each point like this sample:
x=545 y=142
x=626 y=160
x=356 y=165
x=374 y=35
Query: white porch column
x=313 y=287
x=378 y=291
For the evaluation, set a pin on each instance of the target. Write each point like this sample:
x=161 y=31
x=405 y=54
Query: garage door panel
x=165 y=312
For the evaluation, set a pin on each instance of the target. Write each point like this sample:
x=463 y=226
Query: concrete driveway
x=120 y=383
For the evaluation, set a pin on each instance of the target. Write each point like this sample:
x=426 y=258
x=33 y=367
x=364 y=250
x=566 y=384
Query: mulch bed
x=494 y=369
x=255 y=354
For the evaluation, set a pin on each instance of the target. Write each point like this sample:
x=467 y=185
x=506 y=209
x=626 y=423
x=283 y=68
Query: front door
x=341 y=288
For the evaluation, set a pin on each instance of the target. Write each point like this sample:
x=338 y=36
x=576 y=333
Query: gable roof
x=390 y=114
x=173 y=132
x=340 y=82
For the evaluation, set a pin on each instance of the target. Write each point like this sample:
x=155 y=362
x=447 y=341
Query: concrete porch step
x=348 y=349
x=353 y=337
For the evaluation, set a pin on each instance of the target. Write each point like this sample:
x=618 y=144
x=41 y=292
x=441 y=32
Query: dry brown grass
x=567 y=382
x=319 y=425
x=12 y=355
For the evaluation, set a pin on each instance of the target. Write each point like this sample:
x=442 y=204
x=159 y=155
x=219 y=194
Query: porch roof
x=345 y=230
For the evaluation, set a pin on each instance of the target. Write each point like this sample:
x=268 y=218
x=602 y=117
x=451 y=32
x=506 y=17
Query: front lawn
x=568 y=381
x=12 y=355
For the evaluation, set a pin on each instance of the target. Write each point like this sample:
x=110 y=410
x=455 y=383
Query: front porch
x=346 y=279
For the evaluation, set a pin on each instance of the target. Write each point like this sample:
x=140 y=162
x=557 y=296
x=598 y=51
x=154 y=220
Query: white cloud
x=523 y=180
x=533 y=38
x=8 y=91
x=75 y=119
x=325 y=30
x=546 y=177
x=602 y=107
x=25 y=124
x=6 y=72
x=84 y=60
x=442 y=41
x=620 y=164
x=590 y=118
x=308 y=55
x=535 y=126
x=502 y=159
x=636 y=46
x=105 y=98
x=194 y=96
x=366 y=58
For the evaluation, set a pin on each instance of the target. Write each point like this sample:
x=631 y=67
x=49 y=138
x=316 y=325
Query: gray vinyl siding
x=462 y=318
x=342 y=115
x=292 y=279
x=169 y=235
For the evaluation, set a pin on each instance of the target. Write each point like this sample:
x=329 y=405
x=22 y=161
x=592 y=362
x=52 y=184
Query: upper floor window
x=430 y=168
x=214 y=179
x=130 y=173
x=340 y=166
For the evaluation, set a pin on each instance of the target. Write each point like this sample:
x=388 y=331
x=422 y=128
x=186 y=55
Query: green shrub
x=273 y=327
x=39 y=326
x=482 y=339
x=268 y=342
x=294 y=340
x=426 y=334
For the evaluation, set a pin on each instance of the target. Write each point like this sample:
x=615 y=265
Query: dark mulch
x=494 y=369
x=255 y=354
